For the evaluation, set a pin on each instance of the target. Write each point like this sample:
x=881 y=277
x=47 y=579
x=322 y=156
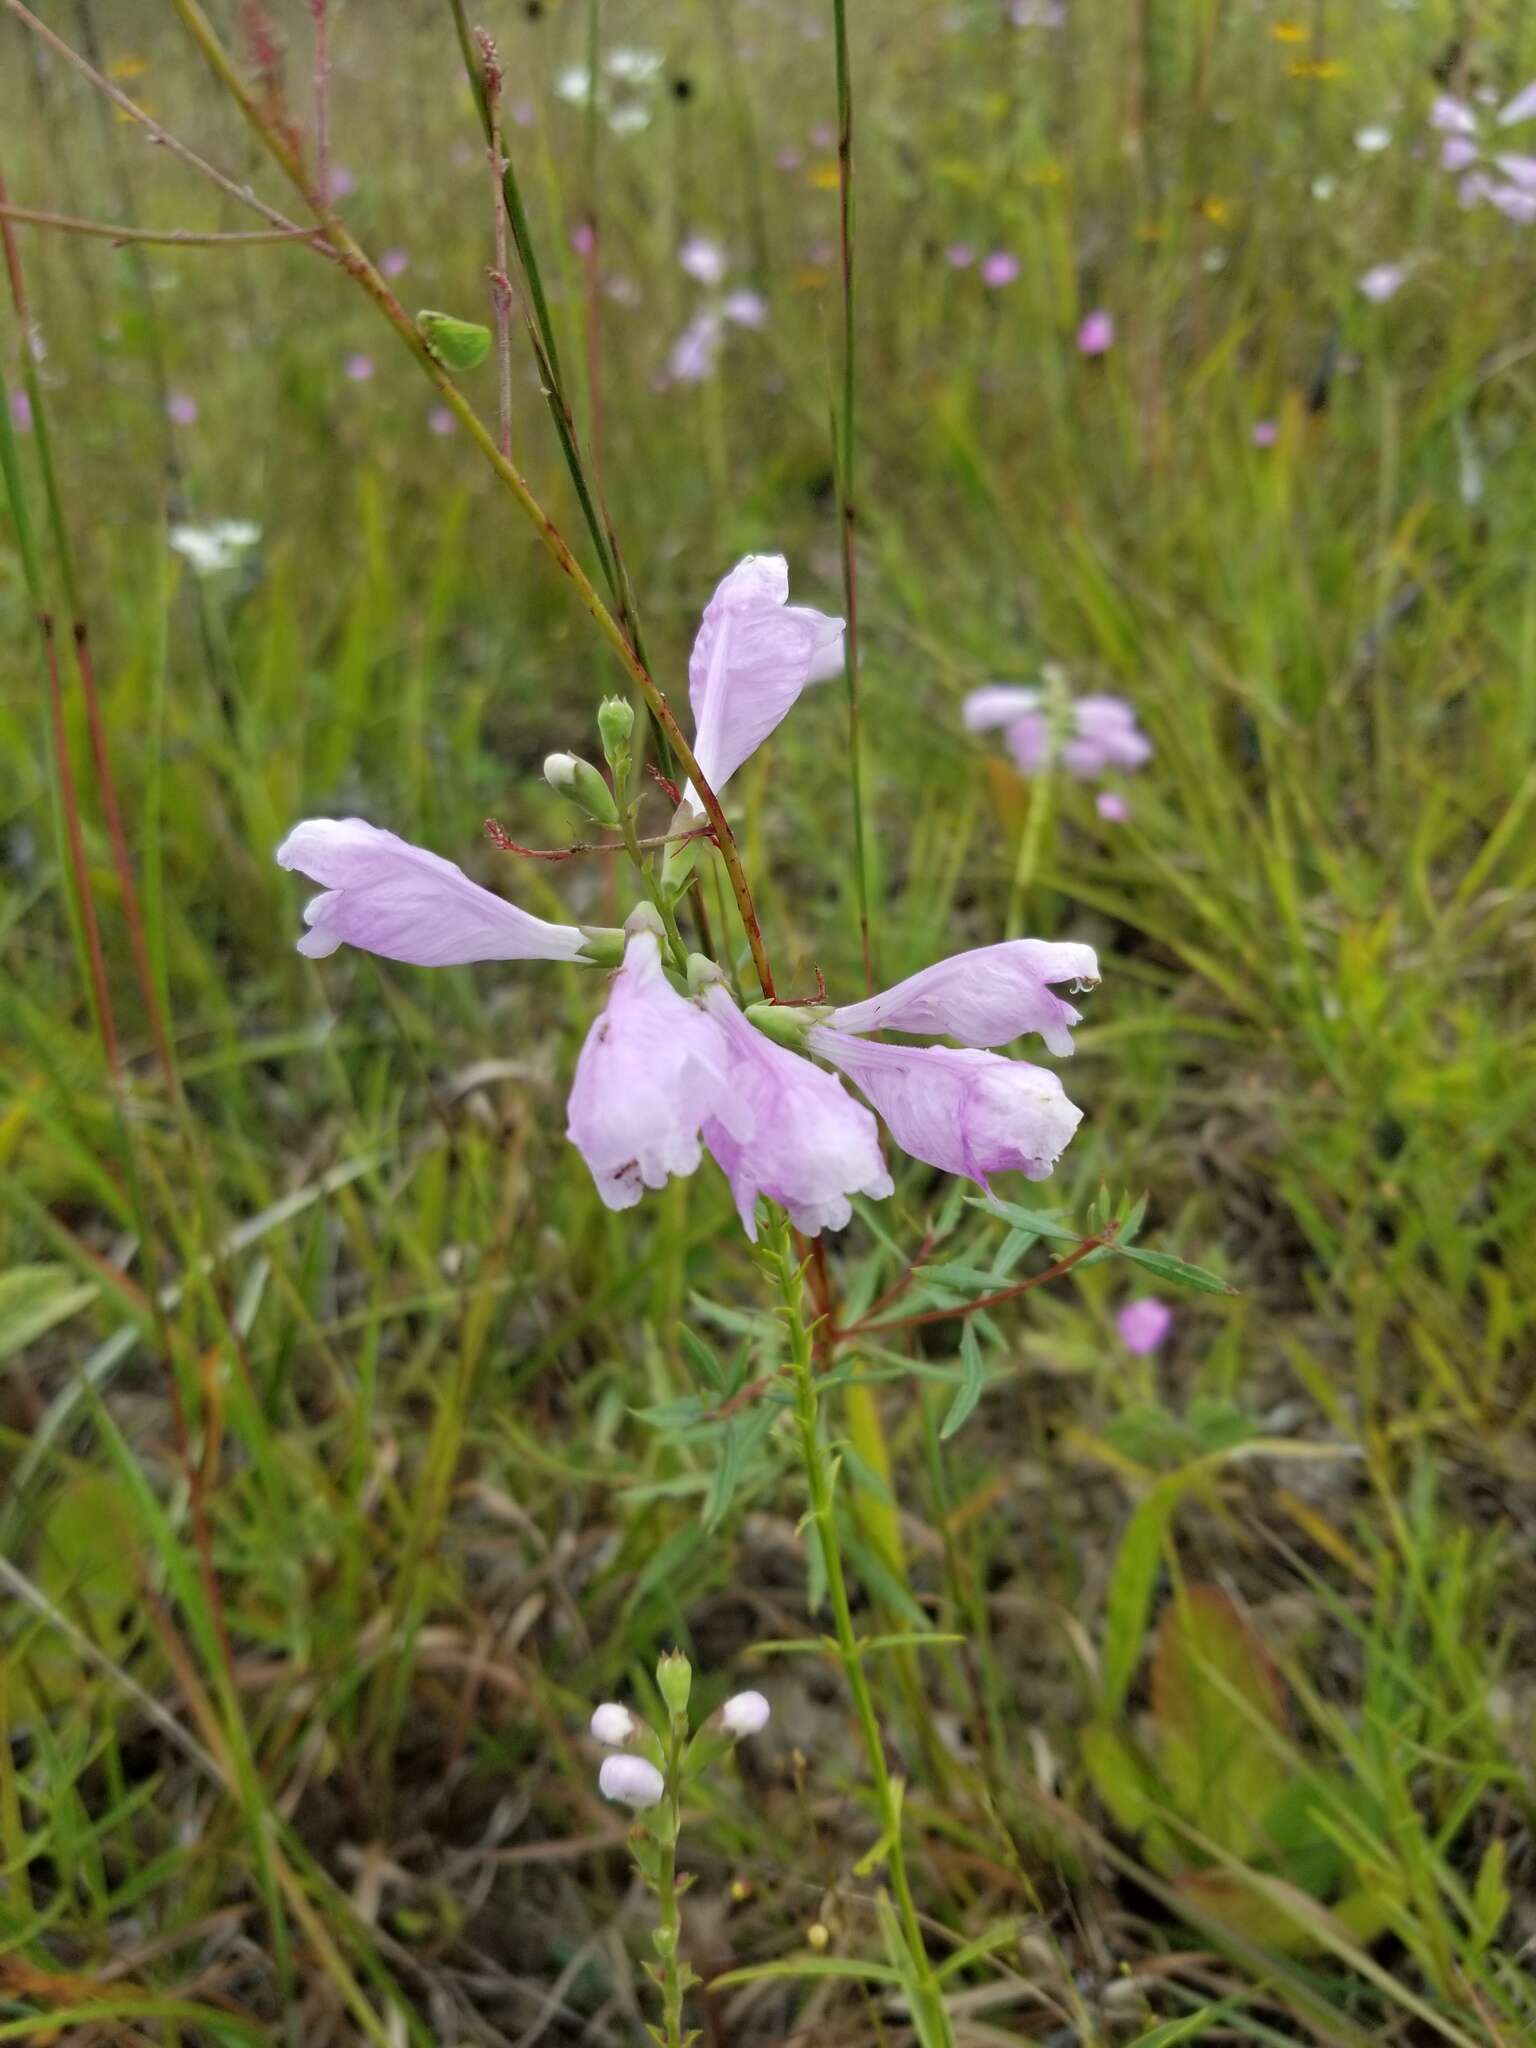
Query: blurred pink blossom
x=583 y=238
x=789 y=158
x=1144 y=1325
x=960 y=255
x=359 y=367
x=1096 y=336
x=339 y=184
x=1264 y=433
x=441 y=421
x=1000 y=268
x=181 y=408
x=394 y=263
x=21 y=412
x=1103 y=732
x=1112 y=807
x=703 y=259
x=745 y=308
x=1383 y=281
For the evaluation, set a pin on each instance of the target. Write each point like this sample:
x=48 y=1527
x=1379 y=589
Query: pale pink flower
x=1521 y=108
x=388 y=897
x=21 y=412
x=1452 y=116
x=441 y=421
x=753 y=655
x=1457 y=153
x=652 y=1070
x=985 y=997
x=966 y=1112
x=1383 y=281
x=1000 y=268
x=789 y=158
x=1036 y=13
x=745 y=1713
x=1104 y=733
x=1096 y=336
x=181 y=408
x=796 y=1135
x=1265 y=433
x=960 y=255
x=394 y=263
x=1144 y=1325
x=703 y=259
x=631 y=1781
x=583 y=238
x=358 y=367
x=339 y=184
x=612 y=1724
x=745 y=308
x=697 y=349
x=823 y=136
x=1112 y=807
x=1501 y=179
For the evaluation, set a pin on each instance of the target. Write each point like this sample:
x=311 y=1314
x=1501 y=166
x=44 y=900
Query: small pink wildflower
x=340 y=183
x=359 y=367
x=960 y=255
x=985 y=997
x=21 y=412
x=1383 y=281
x=1112 y=807
x=1000 y=268
x=1265 y=433
x=181 y=409
x=583 y=238
x=441 y=421
x=1144 y=1325
x=745 y=309
x=394 y=263
x=703 y=259
x=1096 y=336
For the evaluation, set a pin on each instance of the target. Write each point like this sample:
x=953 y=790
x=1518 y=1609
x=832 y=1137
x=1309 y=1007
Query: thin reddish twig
x=971 y=1308
x=507 y=844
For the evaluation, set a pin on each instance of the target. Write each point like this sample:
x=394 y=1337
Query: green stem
x=843 y=443
x=1042 y=804
x=817 y=1467
x=669 y=1929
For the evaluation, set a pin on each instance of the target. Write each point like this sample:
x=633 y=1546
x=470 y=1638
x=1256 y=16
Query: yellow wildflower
x=823 y=176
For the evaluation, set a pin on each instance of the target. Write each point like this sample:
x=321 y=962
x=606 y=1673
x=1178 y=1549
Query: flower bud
x=613 y=1724
x=744 y=1713
x=631 y=1781
x=615 y=725
x=601 y=945
x=784 y=1024
x=571 y=777
x=674 y=1677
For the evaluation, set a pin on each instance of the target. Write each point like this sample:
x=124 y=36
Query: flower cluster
x=1103 y=733
x=672 y=1067
x=1488 y=174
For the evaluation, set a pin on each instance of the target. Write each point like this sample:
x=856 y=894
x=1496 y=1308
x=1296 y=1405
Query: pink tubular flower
x=1144 y=1325
x=754 y=653
x=1112 y=807
x=388 y=897
x=697 y=349
x=653 y=1068
x=631 y=1781
x=1001 y=268
x=796 y=1136
x=1499 y=178
x=985 y=997
x=971 y=1113
x=745 y=309
x=1104 y=731
x=1383 y=281
x=703 y=259
x=1096 y=336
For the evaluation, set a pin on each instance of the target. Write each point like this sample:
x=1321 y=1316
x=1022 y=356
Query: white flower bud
x=744 y=1713
x=631 y=1781
x=613 y=1725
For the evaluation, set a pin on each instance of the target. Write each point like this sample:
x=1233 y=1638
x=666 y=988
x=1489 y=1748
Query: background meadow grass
x=296 y=1666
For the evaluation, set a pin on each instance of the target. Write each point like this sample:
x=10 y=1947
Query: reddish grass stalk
x=971 y=1308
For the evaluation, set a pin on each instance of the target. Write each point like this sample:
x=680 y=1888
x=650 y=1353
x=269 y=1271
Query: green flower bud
x=785 y=1026
x=615 y=727
x=602 y=945
x=569 y=776
x=457 y=344
x=702 y=973
x=674 y=1678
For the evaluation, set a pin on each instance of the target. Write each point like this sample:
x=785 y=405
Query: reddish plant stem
x=971 y=1308
x=69 y=800
x=507 y=844
x=319 y=14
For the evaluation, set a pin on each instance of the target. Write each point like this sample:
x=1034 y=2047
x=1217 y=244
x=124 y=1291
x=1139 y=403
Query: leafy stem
x=817 y=1465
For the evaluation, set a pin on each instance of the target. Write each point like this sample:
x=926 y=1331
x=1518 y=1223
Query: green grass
x=330 y=1507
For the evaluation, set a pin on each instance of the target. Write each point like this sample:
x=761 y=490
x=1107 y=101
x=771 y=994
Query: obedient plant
x=672 y=1067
